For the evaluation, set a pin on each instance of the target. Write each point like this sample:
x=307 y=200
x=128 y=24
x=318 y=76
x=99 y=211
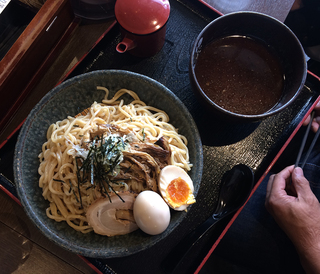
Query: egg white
x=151 y=213
x=170 y=173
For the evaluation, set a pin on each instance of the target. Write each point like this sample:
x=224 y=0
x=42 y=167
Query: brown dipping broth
x=240 y=74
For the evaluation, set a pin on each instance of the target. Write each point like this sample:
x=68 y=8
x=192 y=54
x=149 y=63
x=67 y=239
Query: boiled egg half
x=176 y=187
x=151 y=213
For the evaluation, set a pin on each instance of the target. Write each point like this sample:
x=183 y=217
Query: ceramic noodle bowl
x=68 y=99
x=246 y=66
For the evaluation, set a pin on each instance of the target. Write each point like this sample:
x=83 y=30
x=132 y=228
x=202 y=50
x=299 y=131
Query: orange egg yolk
x=178 y=191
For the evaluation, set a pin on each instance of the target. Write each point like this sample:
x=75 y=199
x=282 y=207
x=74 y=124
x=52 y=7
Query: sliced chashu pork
x=113 y=217
x=159 y=150
x=144 y=164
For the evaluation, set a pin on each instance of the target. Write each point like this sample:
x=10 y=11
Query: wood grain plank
x=21 y=66
x=24 y=256
x=84 y=38
x=27 y=250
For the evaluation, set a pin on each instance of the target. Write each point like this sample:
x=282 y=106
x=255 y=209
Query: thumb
x=300 y=183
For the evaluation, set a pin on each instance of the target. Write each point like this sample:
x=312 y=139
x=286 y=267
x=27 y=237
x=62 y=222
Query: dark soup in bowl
x=240 y=74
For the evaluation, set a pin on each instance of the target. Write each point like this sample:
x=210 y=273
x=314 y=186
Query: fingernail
x=298 y=171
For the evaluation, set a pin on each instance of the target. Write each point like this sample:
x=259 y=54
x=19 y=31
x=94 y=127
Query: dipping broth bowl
x=246 y=66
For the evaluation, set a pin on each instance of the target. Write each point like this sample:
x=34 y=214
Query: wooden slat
x=26 y=250
x=82 y=40
x=31 y=54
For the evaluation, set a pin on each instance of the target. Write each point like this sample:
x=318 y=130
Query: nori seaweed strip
x=101 y=151
x=143 y=135
x=127 y=169
x=91 y=171
x=71 y=187
x=81 y=206
x=61 y=181
x=79 y=182
x=110 y=187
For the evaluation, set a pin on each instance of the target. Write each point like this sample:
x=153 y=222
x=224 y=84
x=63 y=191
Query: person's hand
x=298 y=215
x=316 y=120
x=297 y=4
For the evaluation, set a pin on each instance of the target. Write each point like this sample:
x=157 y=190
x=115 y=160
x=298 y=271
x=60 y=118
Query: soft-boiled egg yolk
x=178 y=192
x=176 y=187
x=151 y=213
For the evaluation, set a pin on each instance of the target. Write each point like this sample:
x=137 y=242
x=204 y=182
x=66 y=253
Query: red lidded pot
x=142 y=25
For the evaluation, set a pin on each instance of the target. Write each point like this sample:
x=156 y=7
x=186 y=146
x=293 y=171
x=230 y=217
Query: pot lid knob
x=142 y=16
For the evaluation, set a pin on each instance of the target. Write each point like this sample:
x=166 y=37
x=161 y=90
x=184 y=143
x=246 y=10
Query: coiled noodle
x=58 y=180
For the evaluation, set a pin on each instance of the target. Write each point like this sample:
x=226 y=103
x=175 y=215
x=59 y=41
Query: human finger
x=306 y=121
x=317 y=106
x=282 y=178
x=316 y=120
x=279 y=181
x=301 y=184
x=277 y=192
x=269 y=186
x=315 y=124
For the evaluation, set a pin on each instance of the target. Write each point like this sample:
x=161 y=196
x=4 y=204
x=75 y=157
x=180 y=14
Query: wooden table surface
x=26 y=250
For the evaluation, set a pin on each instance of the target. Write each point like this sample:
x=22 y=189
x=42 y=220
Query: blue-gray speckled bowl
x=70 y=98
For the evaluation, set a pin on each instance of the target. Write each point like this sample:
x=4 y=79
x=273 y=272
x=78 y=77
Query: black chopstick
x=310 y=148
x=304 y=142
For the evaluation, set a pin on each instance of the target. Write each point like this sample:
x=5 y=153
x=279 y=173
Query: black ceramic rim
x=272 y=111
